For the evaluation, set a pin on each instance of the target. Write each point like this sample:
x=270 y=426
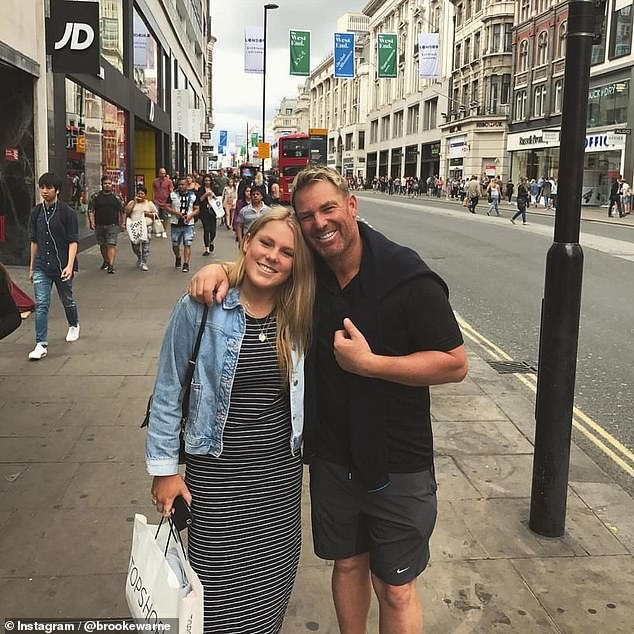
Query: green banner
x=387 y=55
x=299 y=44
x=255 y=139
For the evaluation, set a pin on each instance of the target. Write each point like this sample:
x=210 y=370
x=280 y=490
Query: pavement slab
x=497 y=476
x=101 y=443
x=453 y=484
x=30 y=418
x=465 y=408
x=479 y=437
x=52 y=448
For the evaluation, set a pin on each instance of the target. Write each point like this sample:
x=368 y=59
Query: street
x=495 y=273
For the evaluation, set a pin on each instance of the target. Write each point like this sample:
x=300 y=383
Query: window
x=505 y=93
x=496 y=34
x=361 y=144
x=476 y=46
x=457 y=58
x=111 y=32
x=348 y=145
x=412 y=119
x=542 y=48
x=467 y=10
x=520 y=105
x=429 y=113
x=145 y=58
x=608 y=104
x=559 y=95
x=523 y=55
x=374 y=131
x=562 y=34
x=478 y=5
x=398 y=124
x=385 y=128
x=467 y=52
x=539 y=101
x=508 y=37
x=525 y=10
x=459 y=15
x=621 y=31
x=475 y=94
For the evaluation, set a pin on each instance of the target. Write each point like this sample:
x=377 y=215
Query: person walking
x=162 y=187
x=383 y=332
x=615 y=197
x=107 y=220
x=141 y=212
x=207 y=213
x=523 y=193
x=510 y=188
x=229 y=196
x=473 y=193
x=494 y=192
x=54 y=240
x=184 y=210
x=243 y=475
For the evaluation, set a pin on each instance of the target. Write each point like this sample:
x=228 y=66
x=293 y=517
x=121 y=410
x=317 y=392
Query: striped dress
x=245 y=539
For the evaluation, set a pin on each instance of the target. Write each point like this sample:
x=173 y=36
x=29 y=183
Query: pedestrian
x=141 y=212
x=54 y=238
x=510 y=187
x=547 y=190
x=106 y=218
x=251 y=212
x=616 y=192
x=553 y=193
x=383 y=332
x=494 y=194
x=10 y=318
x=162 y=187
x=523 y=193
x=243 y=476
x=207 y=213
x=533 y=188
x=473 y=194
x=626 y=196
x=229 y=196
x=184 y=210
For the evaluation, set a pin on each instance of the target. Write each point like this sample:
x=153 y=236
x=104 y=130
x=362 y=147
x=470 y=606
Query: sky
x=238 y=95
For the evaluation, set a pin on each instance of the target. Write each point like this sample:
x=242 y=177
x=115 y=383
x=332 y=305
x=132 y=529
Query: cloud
x=238 y=95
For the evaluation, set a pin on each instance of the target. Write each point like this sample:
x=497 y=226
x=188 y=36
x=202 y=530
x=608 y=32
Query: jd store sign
x=72 y=37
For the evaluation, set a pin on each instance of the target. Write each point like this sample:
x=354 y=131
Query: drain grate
x=513 y=367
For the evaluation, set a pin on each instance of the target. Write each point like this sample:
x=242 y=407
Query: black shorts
x=393 y=525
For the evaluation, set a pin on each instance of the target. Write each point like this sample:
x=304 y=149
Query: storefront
x=395 y=162
x=457 y=149
x=535 y=154
x=411 y=158
x=430 y=162
x=383 y=159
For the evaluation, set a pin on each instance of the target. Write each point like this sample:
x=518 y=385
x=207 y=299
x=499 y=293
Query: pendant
x=262 y=337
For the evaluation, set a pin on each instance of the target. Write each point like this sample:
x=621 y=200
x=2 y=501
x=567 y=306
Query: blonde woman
x=244 y=475
x=229 y=196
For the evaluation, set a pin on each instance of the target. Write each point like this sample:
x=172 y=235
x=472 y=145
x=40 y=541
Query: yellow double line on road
x=609 y=445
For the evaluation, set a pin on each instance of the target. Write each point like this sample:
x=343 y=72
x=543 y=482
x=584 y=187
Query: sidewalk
x=72 y=475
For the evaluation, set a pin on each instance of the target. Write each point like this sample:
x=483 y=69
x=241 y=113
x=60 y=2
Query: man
x=383 y=332
x=251 y=212
x=184 y=210
x=473 y=193
x=54 y=238
x=615 y=197
x=106 y=219
x=162 y=187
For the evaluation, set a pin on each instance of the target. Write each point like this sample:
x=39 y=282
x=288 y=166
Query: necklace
x=263 y=325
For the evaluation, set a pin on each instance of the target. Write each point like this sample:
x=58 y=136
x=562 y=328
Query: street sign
x=264 y=150
x=205 y=136
x=207 y=148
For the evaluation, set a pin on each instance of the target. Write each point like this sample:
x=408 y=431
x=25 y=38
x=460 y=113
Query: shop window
x=562 y=39
x=542 y=48
x=520 y=105
x=559 y=95
x=621 y=30
x=539 y=101
x=523 y=55
x=145 y=58
x=608 y=104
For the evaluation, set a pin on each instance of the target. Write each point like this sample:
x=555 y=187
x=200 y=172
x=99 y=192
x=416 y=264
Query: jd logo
x=73 y=32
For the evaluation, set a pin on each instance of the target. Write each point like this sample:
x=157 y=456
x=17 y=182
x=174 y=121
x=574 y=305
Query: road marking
x=618 y=452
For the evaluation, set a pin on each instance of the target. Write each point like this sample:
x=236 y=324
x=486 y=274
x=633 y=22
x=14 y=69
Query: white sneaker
x=39 y=352
x=73 y=333
x=143 y=266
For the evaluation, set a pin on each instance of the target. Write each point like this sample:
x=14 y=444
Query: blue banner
x=222 y=142
x=344 y=55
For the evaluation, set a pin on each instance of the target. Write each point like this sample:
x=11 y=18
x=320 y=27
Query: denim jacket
x=211 y=385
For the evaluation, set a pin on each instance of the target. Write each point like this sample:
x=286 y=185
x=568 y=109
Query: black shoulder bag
x=186 y=391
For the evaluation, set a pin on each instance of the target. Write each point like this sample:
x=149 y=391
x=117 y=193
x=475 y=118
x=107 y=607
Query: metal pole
x=562 y=289
x=264 y=89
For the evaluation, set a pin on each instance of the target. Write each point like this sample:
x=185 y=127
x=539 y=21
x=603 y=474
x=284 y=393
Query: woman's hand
x=165 y=489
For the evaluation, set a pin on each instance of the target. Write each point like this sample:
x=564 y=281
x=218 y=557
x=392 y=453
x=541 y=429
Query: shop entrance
x=145 y=168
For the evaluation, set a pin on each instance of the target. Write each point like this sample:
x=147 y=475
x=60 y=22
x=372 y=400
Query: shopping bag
x=160 y=583
x=157 y=227
x=137 y=230
x=24 y=303
x=219 y=210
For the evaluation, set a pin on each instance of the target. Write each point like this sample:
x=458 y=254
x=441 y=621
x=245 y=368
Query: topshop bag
x=216 y=205
x=186 y=391
x=161 y=583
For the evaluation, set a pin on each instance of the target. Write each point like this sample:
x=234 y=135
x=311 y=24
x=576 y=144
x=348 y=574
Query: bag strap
x=191 y=365
x=173 y=532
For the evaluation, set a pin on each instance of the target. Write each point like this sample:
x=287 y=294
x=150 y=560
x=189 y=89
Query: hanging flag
x=254 y=49
x=428 y=60
x=387 y=49
x=344 y=55
x=255 y=139
x=300 y=52
x=222 y=142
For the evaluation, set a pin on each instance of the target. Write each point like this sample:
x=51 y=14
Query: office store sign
x=536 y=139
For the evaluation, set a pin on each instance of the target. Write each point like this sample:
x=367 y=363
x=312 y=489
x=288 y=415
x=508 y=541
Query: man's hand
x=209 y=285
x=67 y=273
x=352 y=351
x=165 y=489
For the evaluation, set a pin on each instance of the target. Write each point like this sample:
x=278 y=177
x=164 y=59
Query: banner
x=428 y=60
x=387 y=49
x=254 y=49
x=299 y=45
x=180 y=112
x=255 y=139
x=222 y=142
x=344 y=55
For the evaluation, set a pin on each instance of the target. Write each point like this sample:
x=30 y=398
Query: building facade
x=475 y=125
x=285 y=120
x=538 y=90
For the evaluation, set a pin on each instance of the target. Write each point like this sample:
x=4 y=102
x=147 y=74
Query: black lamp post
x=267 y=7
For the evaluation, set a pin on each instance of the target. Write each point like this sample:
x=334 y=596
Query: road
x=495 y=272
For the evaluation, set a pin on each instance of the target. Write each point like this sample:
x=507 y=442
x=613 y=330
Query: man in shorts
x=383 y=332
x=106 y=218
x=183 y=216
